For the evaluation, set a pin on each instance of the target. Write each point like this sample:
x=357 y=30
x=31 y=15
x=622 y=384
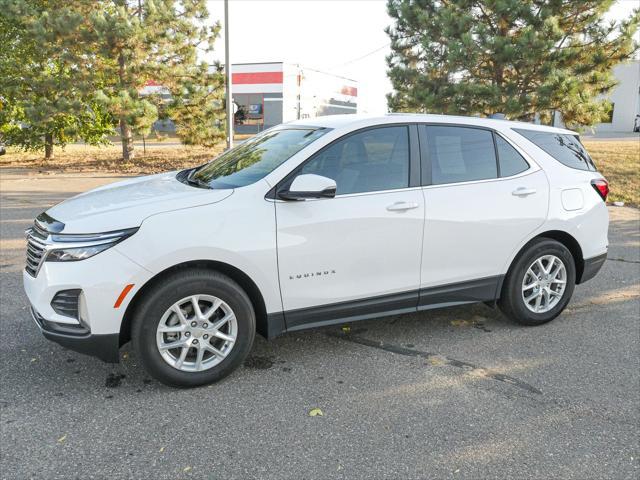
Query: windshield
x=257 y=157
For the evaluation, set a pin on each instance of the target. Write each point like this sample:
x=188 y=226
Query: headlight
x=75 y=254
x=75 y=247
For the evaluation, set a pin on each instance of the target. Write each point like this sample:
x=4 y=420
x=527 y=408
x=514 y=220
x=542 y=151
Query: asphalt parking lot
x=457 y=393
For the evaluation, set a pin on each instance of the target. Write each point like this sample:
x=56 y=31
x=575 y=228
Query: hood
x=126 y=204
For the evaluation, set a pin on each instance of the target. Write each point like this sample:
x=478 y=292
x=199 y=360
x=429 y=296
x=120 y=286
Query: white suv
x=313 y=223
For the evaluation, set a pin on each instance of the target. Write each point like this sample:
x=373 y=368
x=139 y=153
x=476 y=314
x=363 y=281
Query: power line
x=361 y=57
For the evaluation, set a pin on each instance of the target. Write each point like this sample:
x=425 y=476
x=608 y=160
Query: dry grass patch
x=83 y=158
x=619 y=162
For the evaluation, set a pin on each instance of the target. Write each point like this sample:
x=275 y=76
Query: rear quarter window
x=511 y=162
x=565 y=148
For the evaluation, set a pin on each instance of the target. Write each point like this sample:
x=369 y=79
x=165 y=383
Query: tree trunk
x=48 y=146
x=125 y=129
x=127 y=140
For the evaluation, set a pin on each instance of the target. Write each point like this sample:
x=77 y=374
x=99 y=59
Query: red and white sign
x=257 y=78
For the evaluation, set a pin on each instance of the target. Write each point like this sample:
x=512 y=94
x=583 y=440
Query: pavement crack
x=436 y=360
x=623 y=260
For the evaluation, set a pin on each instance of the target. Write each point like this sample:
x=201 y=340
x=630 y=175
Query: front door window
x=369 y=161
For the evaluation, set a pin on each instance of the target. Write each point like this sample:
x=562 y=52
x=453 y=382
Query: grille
x=38 y=232
x=65 y=302
x=35 y=250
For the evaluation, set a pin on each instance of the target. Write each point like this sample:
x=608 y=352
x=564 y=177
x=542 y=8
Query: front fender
x=240 y=232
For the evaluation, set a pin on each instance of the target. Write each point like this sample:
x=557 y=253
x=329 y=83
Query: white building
x=625 y=98
x=275 y=92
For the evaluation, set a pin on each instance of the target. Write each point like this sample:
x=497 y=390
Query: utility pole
x=227 y=69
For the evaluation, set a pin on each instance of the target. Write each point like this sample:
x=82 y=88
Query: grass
x=618 y=161
x=161 y=155
x=83 y=158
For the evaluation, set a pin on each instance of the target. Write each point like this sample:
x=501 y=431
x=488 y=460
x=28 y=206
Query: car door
x=357 y=254
x=482 y=199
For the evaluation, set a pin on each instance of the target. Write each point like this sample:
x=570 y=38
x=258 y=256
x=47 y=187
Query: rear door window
x=460 y=154
x=565 y=148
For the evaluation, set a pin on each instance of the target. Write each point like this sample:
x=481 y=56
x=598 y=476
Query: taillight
x=602 y=187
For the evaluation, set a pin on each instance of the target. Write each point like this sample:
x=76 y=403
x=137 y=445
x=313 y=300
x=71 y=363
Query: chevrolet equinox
x=317 y=222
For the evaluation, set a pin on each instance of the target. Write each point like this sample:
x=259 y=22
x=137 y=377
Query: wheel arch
x=237 y=275
x=565 y=239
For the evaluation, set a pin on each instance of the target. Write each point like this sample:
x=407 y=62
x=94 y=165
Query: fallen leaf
x=436 y=361
x=315 y=412
x=478 y=372
x=161 y=449
x=34 y=360
x=62 y=438
x=186 y=469
x=460 y=323
x=346 y=328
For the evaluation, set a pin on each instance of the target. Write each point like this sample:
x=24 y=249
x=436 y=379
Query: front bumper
x=101 y=280
x=104 y=347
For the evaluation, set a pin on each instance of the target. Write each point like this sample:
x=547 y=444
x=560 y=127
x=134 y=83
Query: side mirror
x=309 y=186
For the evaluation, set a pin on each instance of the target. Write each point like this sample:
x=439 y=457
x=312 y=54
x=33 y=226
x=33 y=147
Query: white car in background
x=318 y=222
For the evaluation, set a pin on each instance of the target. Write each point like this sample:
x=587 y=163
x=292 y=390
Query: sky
x=343 y=37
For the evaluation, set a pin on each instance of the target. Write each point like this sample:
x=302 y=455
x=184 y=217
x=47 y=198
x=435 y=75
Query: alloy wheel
x=196 y=333
x=544 y=283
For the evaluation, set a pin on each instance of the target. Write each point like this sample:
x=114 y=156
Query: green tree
x=517 y=57
x=141 y=41
x=197 y=106
x=46 y=99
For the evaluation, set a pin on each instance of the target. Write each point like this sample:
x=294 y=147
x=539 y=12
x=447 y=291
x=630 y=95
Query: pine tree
x=45 y=98
x=517 y=57
x=197 y=106
x=142 y=41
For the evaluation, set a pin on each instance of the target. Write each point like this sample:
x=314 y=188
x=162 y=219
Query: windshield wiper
x=196 y=182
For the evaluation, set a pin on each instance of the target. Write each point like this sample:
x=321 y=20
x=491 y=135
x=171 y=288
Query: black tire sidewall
x=512 y=301
x=170 y=290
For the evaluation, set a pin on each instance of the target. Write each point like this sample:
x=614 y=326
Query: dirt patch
x=114 y=380
x=258 y=363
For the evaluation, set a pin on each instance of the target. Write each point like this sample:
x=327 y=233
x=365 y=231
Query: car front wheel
x=193 y=328
x=539 y=284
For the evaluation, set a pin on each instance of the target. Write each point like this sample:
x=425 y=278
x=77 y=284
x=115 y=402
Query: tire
x=514 y=290
x=159 y=306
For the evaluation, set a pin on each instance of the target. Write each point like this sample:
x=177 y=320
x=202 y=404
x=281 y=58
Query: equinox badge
x=312 y=274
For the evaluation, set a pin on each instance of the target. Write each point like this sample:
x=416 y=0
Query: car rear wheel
x=193 y=328
x=539 y=284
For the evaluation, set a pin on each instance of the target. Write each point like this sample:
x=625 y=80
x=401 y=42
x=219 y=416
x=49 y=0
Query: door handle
x=402 y=206
x=523 y=192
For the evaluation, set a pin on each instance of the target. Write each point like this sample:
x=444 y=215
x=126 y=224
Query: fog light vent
x=65 y=302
